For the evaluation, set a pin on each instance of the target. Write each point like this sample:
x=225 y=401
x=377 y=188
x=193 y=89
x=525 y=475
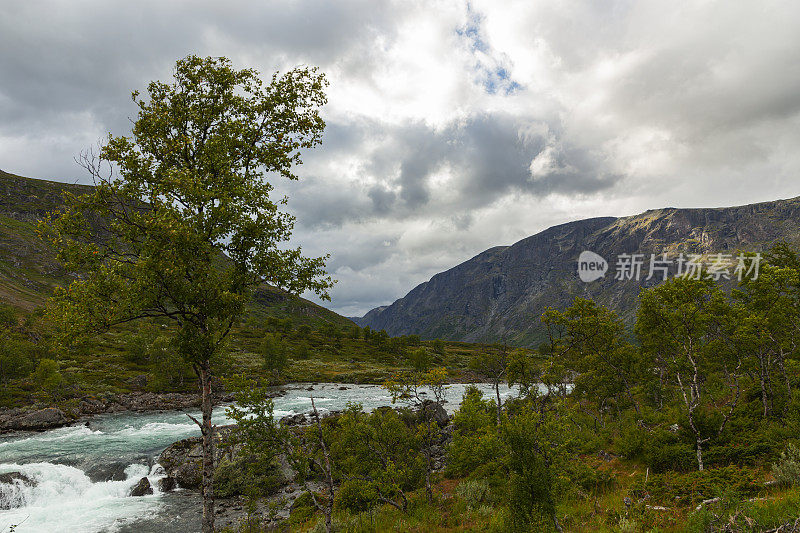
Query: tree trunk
x=207 y=489
x=699 y=454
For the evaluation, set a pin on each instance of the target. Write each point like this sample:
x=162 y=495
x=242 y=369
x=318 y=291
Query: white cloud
x=452 y=126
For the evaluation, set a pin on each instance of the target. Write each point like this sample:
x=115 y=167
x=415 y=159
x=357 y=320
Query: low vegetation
x=687 y=423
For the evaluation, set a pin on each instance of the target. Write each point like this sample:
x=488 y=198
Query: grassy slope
x=29 y=272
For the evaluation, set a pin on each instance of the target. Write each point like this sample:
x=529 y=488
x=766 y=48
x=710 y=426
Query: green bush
x=249 y=476
x=473 y=492
x=674 y=488
x=355 y=496
x=787 y=470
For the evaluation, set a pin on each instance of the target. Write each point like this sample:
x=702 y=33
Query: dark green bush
x=355 y=496
x=248 y=476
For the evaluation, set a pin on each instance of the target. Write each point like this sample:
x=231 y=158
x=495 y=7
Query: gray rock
x=42 y=419
x=12 y=477
x=142 y=488
x=166 y=484
x=12 y=489
x=434 y=411
x=294 y=420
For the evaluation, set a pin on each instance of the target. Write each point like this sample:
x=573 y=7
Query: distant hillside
x=29 y=271
x=501 y=293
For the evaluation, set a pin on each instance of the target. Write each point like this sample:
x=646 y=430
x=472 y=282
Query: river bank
x=84 y=473
x=41 y=417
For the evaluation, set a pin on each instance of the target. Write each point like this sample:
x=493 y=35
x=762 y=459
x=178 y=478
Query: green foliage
x=671 y=488
x=420 y=360
x=473 y=492
x=476 y=449
x=537 y=443
x=48 y=378
x=438 y=346
x=787 y=470
x=381 y=452
x=355 y=496
x=8 y=317
x=251 y=476
x=274 y=354
x=15 y=357
x=303 y=331
x=303 y=352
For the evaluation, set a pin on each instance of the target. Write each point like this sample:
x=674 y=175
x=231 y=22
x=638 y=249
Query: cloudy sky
x=452 y=126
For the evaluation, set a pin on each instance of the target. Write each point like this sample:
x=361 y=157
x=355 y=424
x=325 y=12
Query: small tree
x=683 y=325
x=186 y=229
x=409 y=388
x=493 y=365
x=48 y=378
x=420 y=360
x=275 y=355
x=378 y=452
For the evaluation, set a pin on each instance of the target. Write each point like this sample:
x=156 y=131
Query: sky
x=452 y=126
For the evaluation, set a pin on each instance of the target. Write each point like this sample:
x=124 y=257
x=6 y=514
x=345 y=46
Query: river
x=83 y=473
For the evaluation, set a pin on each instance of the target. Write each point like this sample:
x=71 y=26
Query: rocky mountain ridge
x=499 y=295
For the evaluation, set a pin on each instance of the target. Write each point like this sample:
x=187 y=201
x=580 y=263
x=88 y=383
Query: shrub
x=355 y=496
x=787 y=470
x=693 y=487
x=473 y=492
x=250 y=476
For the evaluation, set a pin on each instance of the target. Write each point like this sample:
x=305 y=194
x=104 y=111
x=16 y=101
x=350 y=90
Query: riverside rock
x=183 y=460
x=38 y=420
x=142 y=488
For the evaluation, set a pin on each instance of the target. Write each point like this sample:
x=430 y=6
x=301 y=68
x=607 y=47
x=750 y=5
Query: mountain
x=29 y=271
x=500 y=294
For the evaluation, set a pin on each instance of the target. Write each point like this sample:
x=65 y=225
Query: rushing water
x=84 y=473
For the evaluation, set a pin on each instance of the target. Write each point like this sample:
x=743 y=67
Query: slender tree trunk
x=699 y=454
x=207 y=489
x=556 y=524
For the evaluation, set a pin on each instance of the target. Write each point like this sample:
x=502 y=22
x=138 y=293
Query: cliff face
x=501 y=293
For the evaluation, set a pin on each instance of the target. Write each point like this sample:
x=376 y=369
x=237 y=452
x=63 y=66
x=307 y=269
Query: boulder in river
x=142 y=488
x=434 y=411
x=294 y=420
x=38 y=420
x=166 y=484
x=183 y=462
x=12 y=487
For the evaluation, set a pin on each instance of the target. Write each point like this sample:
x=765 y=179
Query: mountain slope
x=501 y=293
x=29 y=271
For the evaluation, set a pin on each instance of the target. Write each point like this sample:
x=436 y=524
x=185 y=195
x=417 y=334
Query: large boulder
x=38 y=420
x=12 y=489
x=183 y=462
x=166 y=484
x=431 y=410
x=142 y=488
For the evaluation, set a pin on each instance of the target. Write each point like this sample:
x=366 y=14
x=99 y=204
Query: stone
x=166 y=484
x=434 y=411
x=142 y=488
x=48 y=418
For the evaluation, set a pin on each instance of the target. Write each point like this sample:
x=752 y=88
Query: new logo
x=591 y=266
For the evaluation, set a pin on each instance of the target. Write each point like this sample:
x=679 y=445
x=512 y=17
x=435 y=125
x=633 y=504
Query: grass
x=455 y=508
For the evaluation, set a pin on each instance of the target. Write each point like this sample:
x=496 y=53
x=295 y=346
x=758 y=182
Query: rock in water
x=142 y=488
x=38 y=420
x=166 y=484
x=12 y=489
x=434 y=411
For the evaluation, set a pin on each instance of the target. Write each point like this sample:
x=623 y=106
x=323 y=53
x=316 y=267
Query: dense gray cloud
x=453 y=126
